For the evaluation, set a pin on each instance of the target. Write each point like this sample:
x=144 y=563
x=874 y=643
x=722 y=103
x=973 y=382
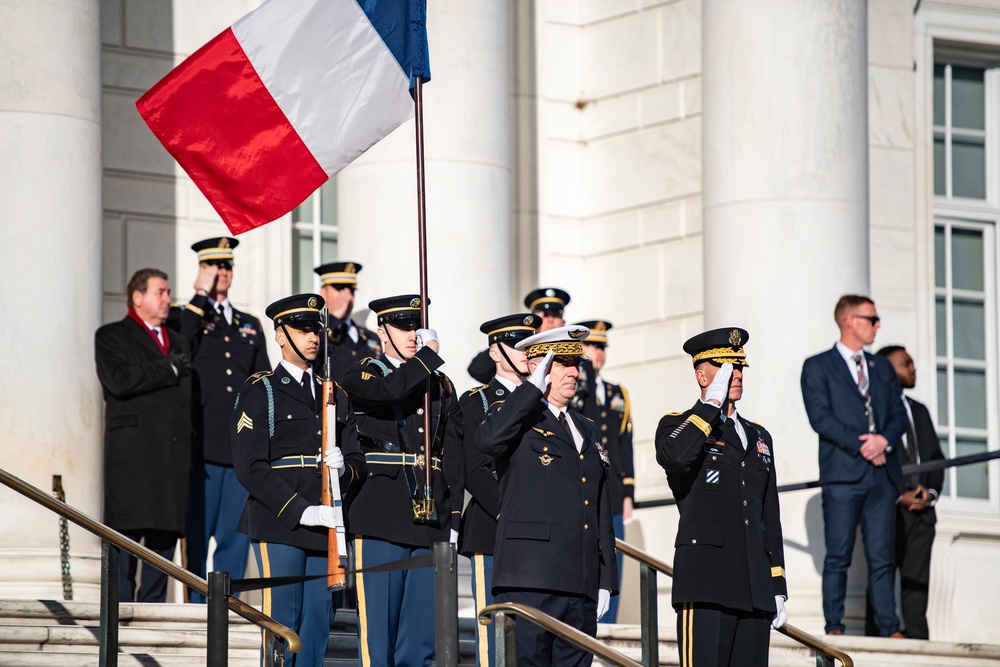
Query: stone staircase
x=55 y=634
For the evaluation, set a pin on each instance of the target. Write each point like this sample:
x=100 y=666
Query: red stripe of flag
x=216 y=117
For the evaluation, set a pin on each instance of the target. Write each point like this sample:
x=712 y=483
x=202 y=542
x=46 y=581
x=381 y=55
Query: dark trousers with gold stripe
x=714 y=636
x=307 y=607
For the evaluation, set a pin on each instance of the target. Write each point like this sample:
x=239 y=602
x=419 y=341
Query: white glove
x=540 y=376
x=335 y=460
x=603 y=602
x=453 y=537
x=425 y=336
x=781 y=617
x=719 y=389
x=318 y=515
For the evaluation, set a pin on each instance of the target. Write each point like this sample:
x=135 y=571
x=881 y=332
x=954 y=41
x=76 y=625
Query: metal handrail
x=557 y=628
x=159 y=562
x=790 y=631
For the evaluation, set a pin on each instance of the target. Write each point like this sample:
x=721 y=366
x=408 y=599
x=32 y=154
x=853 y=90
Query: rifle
x=336 y=547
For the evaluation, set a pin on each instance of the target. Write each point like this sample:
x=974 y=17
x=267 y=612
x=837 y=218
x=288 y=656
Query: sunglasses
x=873 y=319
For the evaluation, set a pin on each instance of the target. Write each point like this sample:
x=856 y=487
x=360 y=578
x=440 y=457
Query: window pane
x=942 y=394
x=967 y=259
x=302 y=275
x=304 y=211
x=971 y=481
x=329 y=248
x=939 y=258
x=970 y=398
x=939 y=95
x=329 y=203
x=939 y=169
x=968 y=321
x=941 y=327
x=968 y=167
x=967 y=99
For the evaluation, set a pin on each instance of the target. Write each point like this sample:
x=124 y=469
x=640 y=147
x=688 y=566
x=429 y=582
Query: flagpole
x=418 y=102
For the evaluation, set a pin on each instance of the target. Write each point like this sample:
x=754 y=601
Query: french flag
x=292 y=93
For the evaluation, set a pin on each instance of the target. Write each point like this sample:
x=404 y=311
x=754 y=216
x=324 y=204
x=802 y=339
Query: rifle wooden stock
x=336 y=579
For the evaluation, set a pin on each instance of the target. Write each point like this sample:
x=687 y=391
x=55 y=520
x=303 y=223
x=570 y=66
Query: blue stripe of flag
x=402 y=25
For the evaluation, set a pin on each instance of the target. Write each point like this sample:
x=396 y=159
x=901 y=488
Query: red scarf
x=165 y=345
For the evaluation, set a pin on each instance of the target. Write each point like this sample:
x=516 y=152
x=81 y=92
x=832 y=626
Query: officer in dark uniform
x=479 y=520
x=613 y=414
x=276 y=433
x=548 y=303
x=729 y=564
x=555 y=545
x=227 y=345
x=347 y=342
x=389 y=519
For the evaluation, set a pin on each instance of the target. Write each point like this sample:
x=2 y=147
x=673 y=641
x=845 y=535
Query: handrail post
x=503 y=641
x=648 y=616
x=218 y=619
x=445 y=605
x=823 y=660
x=108 y=640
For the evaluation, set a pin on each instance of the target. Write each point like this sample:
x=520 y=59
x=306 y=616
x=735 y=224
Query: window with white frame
x=314 y=236
x=967 y=210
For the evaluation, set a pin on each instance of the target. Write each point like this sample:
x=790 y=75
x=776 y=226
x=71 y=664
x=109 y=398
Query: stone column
x=50 y=278
x=466 y=138
x=786 y=222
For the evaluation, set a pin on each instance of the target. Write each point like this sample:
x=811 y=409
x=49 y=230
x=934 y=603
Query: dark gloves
x=180 y=362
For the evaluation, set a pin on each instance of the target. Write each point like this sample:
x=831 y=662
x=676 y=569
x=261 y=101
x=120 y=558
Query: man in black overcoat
x=145 y=374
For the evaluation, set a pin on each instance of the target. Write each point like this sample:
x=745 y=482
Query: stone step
x=68 y=659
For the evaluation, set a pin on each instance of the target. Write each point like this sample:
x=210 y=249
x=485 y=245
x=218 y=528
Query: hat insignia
x=414 y=303
x=577 y=334
x=600 y=327
x=528 y=320
x=735 y=339
x=350 y=268
x=550 y=292
x=223 y=243
x=312 y=302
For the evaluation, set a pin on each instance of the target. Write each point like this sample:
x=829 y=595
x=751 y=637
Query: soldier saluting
x=729 y=564
x=347 y=342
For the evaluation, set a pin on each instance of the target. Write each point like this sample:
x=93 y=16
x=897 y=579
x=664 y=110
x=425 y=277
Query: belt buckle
x=418 y=461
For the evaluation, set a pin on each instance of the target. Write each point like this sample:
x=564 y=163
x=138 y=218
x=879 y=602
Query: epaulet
x=758 y=425
x=366 y=360
x=475 y=389
x=258 y=376
x=674 y=414
x=587 y=418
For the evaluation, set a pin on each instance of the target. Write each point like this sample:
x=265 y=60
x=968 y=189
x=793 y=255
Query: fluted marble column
x=50 y=278
x=466 y=134
x=786 y=221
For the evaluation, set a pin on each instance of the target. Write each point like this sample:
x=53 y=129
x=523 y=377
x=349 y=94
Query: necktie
x=221 y=310
x=865 y=390
x=307 y=388
x=565 y=425
x=156 y=332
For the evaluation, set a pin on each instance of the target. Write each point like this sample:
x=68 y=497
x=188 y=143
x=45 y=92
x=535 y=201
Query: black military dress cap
x=598 y=332
x=547 y=299
x=299 y=311
x=510 y=329
x=217 y=251
x=720 y=346
x=338 y=274
x=402 y=312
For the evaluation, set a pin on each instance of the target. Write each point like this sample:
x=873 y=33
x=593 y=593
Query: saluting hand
x=428 y=337
x=718 y=389
x=540 y=376
x=205 y=280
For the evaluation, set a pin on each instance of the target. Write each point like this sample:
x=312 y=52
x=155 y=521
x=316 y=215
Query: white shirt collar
x=506 y=383
x=394 y=361
x=295 y=371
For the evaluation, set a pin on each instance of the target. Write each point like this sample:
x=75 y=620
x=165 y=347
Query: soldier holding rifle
x=276 y=433
x=390 y=518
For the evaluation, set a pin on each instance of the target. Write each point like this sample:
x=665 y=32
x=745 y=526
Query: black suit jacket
x=279 y=495
x=147 y=429
x=929 y=449
x=383 y=507
x=837 y=413
x=555 y=531
x=223 y=355
x=479 y=520
x=729 y=548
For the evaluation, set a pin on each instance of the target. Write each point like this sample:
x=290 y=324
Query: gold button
x=581 y=457
x=743 y=482
x=205 y=331
x=229 y=389
x=289 y=416
x=586 y=502
x=545 y=449
x=604 y=413
x=226 y=339
x=420 y=411
x=604 y=439
x=228 y=355
x=694 y=541
x=746 y=521
x=584 y=480
x=586 y=527
x=715 y=458
x=743 y=464
x=420 y=430
x=604 y=427
x=744 y=503
x=229 y=371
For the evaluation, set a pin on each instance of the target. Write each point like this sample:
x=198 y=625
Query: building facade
x=675 y=165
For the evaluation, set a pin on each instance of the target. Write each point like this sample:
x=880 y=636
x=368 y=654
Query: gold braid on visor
x=722 y=355
x=567 y=348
